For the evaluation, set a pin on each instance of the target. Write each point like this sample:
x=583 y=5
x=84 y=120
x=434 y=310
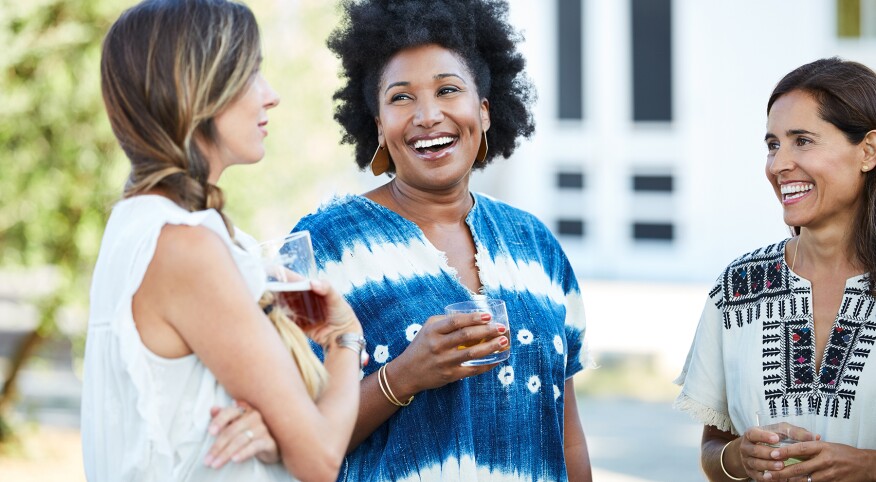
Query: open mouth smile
x=428 y=147
x=793 y=191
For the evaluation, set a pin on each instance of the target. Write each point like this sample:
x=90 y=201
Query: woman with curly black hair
x=435 y=89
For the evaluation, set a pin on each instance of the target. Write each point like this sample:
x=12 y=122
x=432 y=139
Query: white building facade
x=648 y=158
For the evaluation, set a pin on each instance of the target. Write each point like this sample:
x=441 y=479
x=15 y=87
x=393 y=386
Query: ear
x=380 y=139
x=869 y=146
x=485 y=114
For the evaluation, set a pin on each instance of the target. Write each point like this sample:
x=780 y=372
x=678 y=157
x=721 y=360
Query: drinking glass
x=790 y=424
x=496 y=308
x=290 y=265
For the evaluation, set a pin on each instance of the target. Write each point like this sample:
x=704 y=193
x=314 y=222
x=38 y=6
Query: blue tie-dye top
x=503 y=425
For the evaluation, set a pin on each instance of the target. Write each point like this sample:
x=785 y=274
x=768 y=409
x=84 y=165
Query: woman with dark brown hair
x=175 y=326
x=788 y=330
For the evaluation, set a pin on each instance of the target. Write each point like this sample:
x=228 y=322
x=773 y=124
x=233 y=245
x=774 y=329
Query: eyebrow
x=791 y=132
x=436 y=77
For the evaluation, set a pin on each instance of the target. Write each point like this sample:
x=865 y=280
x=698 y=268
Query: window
x=856 y=18
x=653 y=231
x=652 y=183
x=570 y=227
x=652 y=60
x=570 y=180
x=570 y=75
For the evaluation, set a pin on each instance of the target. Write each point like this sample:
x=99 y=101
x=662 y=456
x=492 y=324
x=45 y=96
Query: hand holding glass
x=496 y=309
x=792 y=426
x=290 y=266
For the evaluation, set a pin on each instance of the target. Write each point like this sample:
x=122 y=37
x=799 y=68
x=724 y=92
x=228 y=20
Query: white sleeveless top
x=145 y=417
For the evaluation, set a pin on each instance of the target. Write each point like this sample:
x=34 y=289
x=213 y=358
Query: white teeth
x=424 y=143
x=796 y=188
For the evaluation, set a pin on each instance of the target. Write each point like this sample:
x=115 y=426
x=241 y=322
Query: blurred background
x=647 y=163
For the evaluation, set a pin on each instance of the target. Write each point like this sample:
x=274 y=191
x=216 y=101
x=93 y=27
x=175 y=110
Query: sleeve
x=575 y=324
x=703 y=383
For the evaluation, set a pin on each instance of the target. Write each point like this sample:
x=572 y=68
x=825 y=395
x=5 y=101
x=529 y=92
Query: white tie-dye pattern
x=512 y=275
x=534 y=384
x=524 y=336
x=558 y=345
x=506 y=375
x=556 y=392
x=466 y=470
x=412 y=331
x=381 y=353
x=362 y=264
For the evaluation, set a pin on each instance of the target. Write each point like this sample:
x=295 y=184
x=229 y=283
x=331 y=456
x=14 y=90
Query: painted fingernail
x=503 y=341
x=501 y=328
x=485 y=316
x=208 y=460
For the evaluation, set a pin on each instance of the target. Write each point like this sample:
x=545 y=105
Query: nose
x=780 y=161
x=428 y=113
x=272 y=99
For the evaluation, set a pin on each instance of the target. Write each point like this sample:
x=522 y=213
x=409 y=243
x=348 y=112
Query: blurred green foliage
x=60 y=161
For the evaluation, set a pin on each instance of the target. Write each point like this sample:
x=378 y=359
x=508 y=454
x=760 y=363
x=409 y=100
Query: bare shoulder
x=182 y=248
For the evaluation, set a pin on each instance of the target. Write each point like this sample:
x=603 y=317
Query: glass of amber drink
x=496 y=308
x=290 y=266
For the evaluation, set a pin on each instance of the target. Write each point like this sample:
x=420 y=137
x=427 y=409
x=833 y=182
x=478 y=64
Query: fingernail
x=208 y=460
x=216 y=464
x=774 y=454
x=767 y=476
x=235 y=459
x=501 y=328
x=778 y=466
x=213 y=430
x=485 y=316
x=503 y=341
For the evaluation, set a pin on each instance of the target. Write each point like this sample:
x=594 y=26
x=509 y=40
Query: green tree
x=60 y=169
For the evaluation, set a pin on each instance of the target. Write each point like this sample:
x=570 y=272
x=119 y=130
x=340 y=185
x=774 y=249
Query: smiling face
x=814 y=170
x=430 y=117
x=241 y=128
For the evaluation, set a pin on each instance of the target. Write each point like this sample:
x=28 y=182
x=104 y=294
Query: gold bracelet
x=387 y=392
x=721 y=460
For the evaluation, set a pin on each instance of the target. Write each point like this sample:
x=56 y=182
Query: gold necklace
x=796 y=248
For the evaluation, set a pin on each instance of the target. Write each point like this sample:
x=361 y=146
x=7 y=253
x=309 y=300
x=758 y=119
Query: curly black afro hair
x=477 y=30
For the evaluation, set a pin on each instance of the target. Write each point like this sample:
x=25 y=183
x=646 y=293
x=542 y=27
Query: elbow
x=315 y=467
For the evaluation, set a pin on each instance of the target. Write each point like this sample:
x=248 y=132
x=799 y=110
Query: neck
x=424 y=207
x=823 y=251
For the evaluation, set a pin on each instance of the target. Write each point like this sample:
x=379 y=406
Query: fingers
x=241 y=434
x=449 y=324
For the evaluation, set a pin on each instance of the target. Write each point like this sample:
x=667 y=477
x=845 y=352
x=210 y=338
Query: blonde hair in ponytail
x=312 y=370
x=168 y=68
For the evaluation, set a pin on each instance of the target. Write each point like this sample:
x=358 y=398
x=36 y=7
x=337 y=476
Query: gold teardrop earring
x=482 y=149
x=380 y=161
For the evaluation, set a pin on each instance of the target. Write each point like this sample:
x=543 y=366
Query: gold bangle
x=387 y=392
x=721 y=461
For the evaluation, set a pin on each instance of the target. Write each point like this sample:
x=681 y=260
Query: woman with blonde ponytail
x=178 y=325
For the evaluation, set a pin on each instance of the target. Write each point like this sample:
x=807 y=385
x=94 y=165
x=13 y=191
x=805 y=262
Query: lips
x=793 y=191
x=433 y=145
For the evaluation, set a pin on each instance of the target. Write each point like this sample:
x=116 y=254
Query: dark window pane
x=570 y=102
x=658 y=231
x=652 y=60
x=570 y=227
x=570 y=180
x=652 y=183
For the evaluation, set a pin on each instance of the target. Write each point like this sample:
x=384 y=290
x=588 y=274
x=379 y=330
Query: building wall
x=726 y=58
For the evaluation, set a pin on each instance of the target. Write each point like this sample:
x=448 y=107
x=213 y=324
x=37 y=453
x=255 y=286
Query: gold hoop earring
x=482 y=149
x=380 y=161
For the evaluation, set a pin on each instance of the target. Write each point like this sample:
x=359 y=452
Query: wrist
x=724 y=460
x=352 y=341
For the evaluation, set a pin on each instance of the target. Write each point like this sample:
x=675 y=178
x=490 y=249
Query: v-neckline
x=445 y=264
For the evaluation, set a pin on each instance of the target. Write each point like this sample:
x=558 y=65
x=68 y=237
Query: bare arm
x=574 y=442
x=194 y=286
x=431 y=360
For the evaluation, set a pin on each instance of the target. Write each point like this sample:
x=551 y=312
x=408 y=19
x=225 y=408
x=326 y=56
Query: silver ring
x=808 y=478
x=251 y=436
